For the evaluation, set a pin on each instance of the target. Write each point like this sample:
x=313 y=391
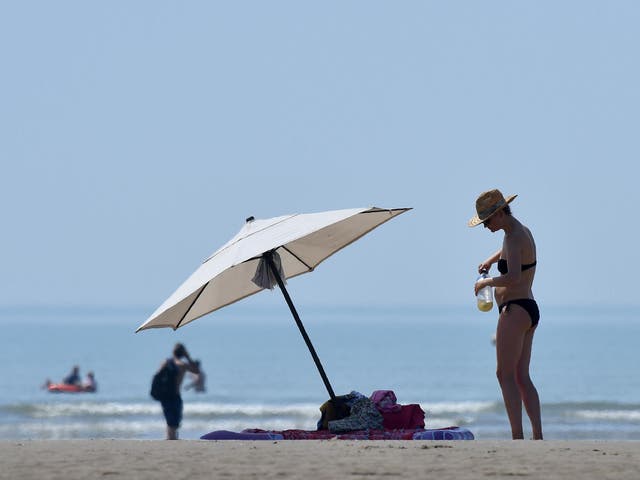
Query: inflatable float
x=67 y=388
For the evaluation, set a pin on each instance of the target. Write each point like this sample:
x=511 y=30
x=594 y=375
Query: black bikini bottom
x=528 y=304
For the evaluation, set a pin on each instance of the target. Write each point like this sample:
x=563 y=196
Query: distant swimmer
x=73 y=378
x=89 y=384
x=72 y=383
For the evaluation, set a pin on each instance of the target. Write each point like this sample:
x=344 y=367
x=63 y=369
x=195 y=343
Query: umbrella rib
x=191 y=306
x=309 y=267
x=287 y=217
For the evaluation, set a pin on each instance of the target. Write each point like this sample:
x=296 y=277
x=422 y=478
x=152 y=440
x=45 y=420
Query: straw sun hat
x=487 y=204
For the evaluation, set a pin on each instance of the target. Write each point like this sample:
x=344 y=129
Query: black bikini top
x=503 y=268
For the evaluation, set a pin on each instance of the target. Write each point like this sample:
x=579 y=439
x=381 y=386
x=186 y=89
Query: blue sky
x=137 y=136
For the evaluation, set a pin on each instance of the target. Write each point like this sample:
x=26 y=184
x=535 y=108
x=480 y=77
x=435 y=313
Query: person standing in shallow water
x=172 y=407
x=518 y=310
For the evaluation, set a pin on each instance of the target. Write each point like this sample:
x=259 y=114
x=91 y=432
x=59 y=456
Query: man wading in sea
x=172 y=406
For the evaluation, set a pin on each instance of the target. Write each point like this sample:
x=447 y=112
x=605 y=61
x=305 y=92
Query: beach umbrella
x=263 y=254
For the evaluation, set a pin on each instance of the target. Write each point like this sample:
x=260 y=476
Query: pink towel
x=385 y=401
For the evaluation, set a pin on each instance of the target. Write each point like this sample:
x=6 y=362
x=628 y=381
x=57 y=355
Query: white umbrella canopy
x=302 y=240
x=280 y=247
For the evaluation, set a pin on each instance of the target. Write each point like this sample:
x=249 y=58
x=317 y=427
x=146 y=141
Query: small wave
x=257 y=410
x=137 y=429
x=50 y=410
x=251 y=410
x=444 y=422
x=122 y=409
x=80 y=429
x=610 y=415
x=596 y=405
x=461 y=408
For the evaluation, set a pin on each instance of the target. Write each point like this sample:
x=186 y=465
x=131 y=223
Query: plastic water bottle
x=485 y=295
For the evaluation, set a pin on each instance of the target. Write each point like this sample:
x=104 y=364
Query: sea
x=259 y=373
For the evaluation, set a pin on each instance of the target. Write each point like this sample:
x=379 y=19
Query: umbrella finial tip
x=250 y=219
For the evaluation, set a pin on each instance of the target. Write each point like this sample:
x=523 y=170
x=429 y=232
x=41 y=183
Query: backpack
x=333 y=409
x=163 y=383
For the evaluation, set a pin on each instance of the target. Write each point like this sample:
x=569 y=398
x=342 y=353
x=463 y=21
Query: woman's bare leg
x=512 y=327
x=528 y=390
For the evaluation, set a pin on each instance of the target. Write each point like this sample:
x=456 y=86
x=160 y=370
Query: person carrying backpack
x=166 y=387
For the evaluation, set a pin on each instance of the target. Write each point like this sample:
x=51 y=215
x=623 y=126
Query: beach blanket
x=449 y=433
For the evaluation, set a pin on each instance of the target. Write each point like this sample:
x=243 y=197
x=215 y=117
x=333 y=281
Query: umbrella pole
x=296 y=317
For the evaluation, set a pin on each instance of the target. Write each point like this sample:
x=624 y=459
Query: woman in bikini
x=519 y=315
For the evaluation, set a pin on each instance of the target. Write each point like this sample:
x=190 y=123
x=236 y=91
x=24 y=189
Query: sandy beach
x=310 y=459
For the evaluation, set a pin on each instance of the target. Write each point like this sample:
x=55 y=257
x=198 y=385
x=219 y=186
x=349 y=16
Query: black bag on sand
x=333 y=410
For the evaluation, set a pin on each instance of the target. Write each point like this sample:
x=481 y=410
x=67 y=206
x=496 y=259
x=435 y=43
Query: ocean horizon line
x=134 y=315
x=98 y=308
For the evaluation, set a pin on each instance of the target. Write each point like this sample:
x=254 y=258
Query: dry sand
x=317 y=459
